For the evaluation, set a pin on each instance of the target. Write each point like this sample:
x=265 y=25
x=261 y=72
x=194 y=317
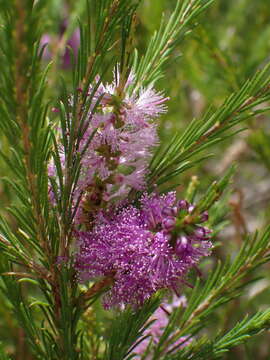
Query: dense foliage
x=134 y=188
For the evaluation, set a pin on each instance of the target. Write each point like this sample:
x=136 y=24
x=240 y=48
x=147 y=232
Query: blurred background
x=229 y=43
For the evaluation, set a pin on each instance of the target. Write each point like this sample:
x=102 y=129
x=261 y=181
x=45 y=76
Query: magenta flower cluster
x=116 y=159
x=125 y=133
x=144 y=249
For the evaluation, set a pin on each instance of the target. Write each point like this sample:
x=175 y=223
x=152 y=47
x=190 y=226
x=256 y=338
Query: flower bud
x=119 y=178
x=169 y=211
x=191 y=208
x=182 y=205
x=202 y=233
x=182 y=245
x=204 y=216
x=168 y=223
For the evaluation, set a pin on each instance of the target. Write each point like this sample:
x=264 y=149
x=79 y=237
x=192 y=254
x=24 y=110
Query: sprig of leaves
x=171 y=32
x=128 y=328
x=222 y=285
x=214 y=127
x=239 y=334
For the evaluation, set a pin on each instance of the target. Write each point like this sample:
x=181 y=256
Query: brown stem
x=66 y=236
x=21 y=92
x=94 y=290
x=22 y=84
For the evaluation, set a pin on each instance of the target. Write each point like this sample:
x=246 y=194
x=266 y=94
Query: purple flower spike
x=134 y=247
x=118 y=155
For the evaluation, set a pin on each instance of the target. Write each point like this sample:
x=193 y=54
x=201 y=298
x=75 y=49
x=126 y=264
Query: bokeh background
x=229 y=43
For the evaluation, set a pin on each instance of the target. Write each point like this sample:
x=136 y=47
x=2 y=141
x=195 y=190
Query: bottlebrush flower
x=136 y=248
x=117 y=157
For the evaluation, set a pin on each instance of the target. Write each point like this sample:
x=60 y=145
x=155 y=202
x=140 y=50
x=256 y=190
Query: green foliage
x=225 y=281
x=128 y=330
x=211 y=129
x=259 y=141
x=239 y=334
x=170 y=33
x=3 y=356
